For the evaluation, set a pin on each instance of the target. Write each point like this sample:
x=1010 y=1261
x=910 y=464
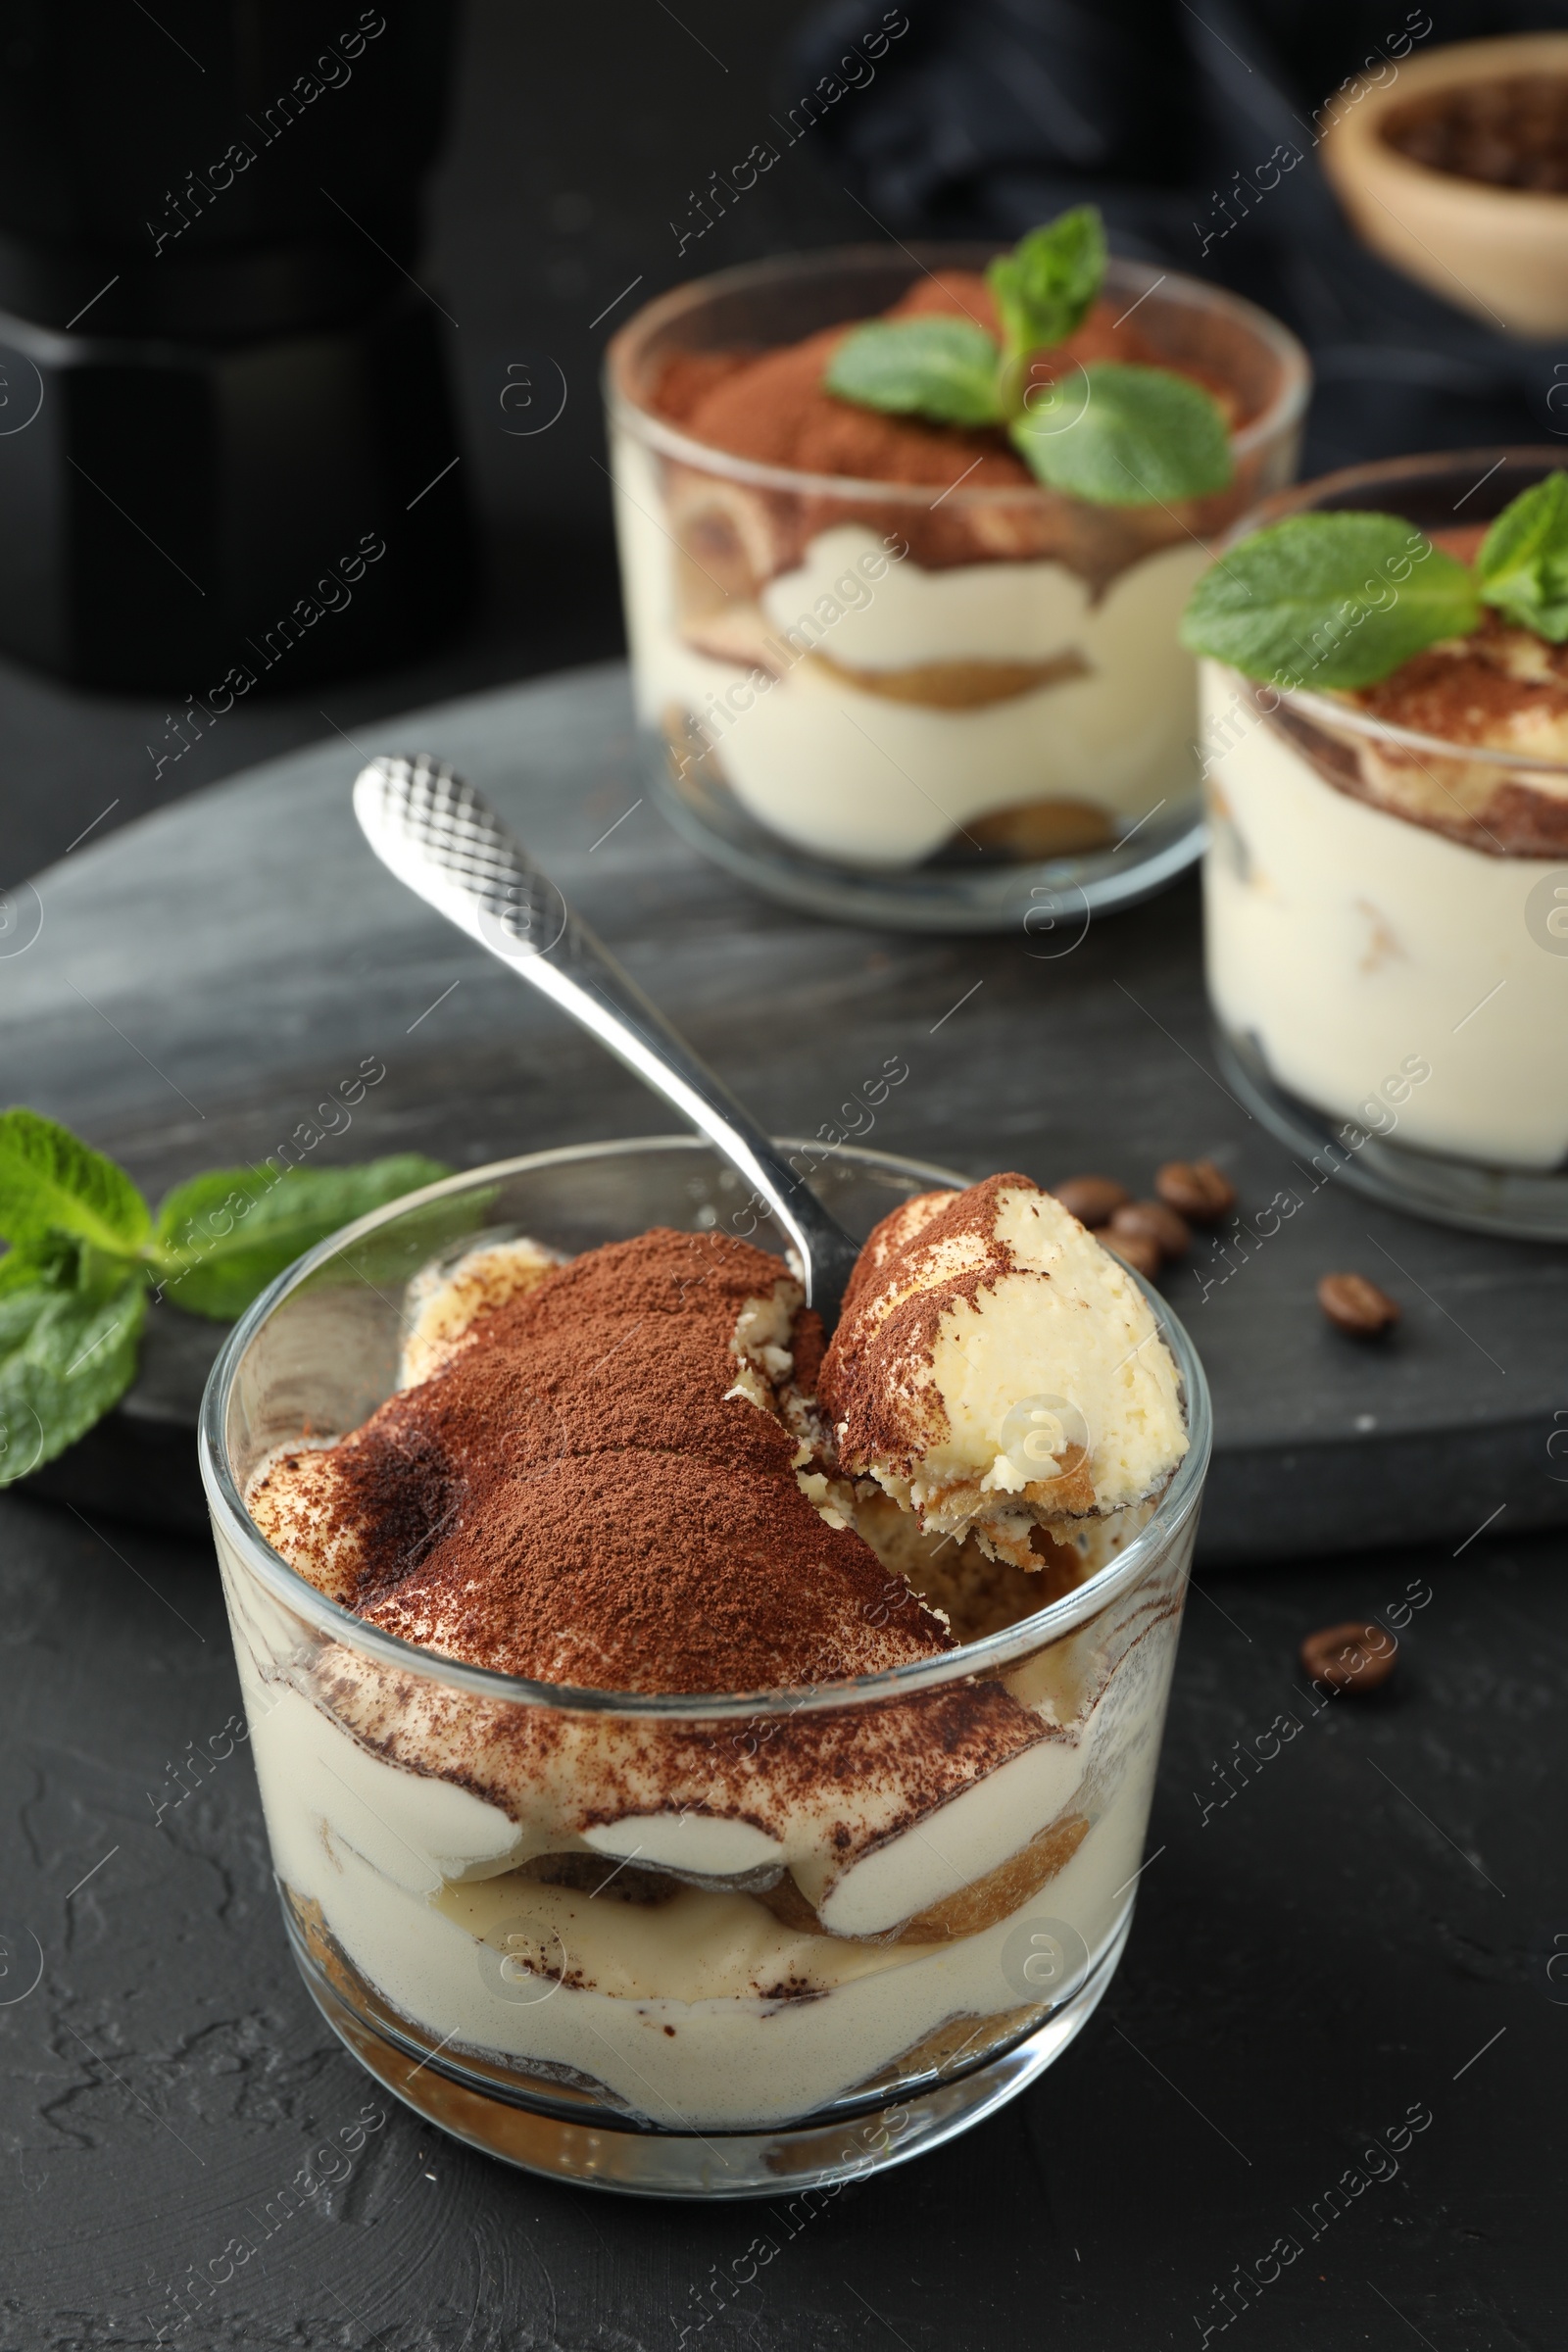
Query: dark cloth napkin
x=989 y=115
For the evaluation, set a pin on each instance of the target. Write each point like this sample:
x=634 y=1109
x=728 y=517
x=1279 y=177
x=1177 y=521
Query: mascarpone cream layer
x=703 y=2008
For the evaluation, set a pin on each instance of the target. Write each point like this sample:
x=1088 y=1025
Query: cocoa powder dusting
x=1469 y=690
x=776 y=412
x=574 y=1497
x=871 y=1380
x=772 y=407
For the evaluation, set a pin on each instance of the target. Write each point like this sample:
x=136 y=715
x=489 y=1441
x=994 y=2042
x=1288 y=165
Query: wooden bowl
x=1499 y=253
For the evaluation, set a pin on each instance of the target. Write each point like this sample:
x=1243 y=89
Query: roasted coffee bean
x=1356 y=1656
x=1154 y=1222
x=1195 y=1190
x=1354 y=1304
x=1092 y=1199
x=1136 y=1250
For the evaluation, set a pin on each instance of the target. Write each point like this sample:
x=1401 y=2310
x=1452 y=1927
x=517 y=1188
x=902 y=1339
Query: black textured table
x=1365 y=1928
x=1320 y=2103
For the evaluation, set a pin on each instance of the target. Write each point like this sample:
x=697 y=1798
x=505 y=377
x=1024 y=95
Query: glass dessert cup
x=995 y=719
x=679 y=2029
x=1388 y=986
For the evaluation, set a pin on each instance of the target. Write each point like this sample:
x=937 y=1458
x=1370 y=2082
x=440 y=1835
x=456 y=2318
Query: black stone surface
x=202 y=980
x=1374 y=1921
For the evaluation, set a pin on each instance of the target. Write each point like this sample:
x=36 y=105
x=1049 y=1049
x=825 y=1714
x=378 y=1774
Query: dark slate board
x=205 y=977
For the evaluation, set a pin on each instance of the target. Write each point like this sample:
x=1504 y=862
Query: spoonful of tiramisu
x=445 y=843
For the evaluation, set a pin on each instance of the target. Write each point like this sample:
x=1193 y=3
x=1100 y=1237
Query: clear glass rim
x=1282 y=413
x=1316 y=497
x=996 y=1651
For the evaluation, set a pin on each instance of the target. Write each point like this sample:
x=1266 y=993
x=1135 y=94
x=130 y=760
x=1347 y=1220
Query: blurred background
x=580 y=162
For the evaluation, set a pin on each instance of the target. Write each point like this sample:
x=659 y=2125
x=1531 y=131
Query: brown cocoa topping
x=1459 y=793
x=869 y=1382
x=1461 y=540
x=688 y=377
x=1469 y=690
x=575 y=1497
x=1352 y=1304
x=775 y=412
x=1357 y=1656
x=772 y=409
x=1500 y=689
x=1195 y=1190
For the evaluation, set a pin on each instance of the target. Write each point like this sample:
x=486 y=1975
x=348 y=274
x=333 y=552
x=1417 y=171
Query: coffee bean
x=1092 y=1199
x=1154 y=1222
x=1355 y=1656
x=1136 y=1250
x=1354 y=1304
x=1195 y=1188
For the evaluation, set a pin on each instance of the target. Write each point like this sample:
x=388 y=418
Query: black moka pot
x=228 y=460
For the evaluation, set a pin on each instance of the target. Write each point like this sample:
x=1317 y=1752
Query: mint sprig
x=223 y=1238
x=1114 y=433
x=945 y=368
x=1522 y=563
x=1329 y=600
x=52 y=1183
x=1344 y=599
x=1126 y=436
x=68 y=1351
x=86 y=1251
x=1047 y=286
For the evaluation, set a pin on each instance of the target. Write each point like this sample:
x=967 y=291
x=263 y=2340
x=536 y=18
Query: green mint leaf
x=945 y=368
x=1124 y=436
x=1329 y=600
x=224 y=1237
x=1047 y=285
x=54 y=1259
x=67 y=1352
x=50 y=1183
x=1523 y=564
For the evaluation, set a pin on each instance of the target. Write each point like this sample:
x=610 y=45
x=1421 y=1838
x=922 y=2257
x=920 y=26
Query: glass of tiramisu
x=904 y=539
x=1385 y=745
x=699 y=1757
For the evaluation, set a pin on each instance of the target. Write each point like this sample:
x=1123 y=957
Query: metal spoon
x=448 y=846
